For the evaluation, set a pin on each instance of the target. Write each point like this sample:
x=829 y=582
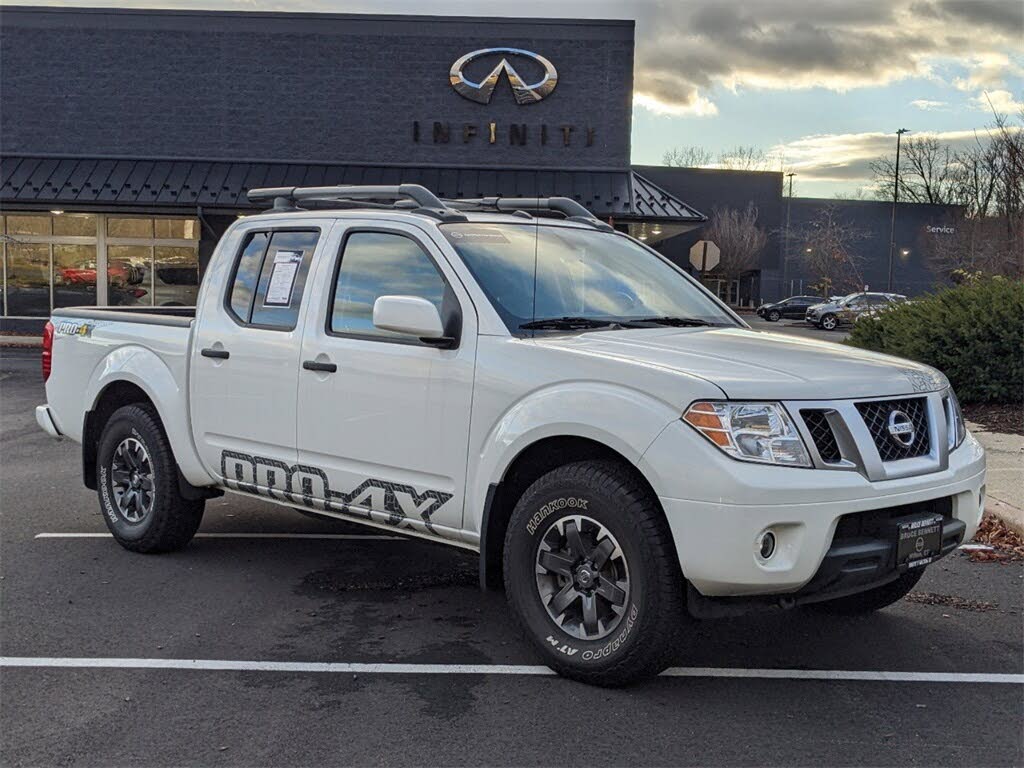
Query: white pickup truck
x=619 y=447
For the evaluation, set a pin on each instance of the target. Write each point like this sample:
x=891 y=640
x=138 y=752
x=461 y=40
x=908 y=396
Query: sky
x=820 y=86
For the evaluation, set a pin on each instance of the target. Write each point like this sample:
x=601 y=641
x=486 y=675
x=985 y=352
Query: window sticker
x=282 y=278
x=464 y=235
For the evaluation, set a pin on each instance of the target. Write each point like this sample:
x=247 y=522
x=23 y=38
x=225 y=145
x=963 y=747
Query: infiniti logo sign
x=525 y=93
x=901 y=428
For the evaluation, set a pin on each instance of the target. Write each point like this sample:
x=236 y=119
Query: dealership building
x=129 y=138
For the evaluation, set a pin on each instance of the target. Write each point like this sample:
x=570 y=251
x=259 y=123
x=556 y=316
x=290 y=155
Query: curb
x=1007 y=513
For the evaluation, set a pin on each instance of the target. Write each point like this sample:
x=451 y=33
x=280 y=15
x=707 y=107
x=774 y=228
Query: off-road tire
x=774 y=316
x=610 y=494
x=172 y=520
x=873 y=599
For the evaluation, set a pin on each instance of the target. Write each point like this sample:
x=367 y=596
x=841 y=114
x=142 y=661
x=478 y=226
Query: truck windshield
x=559 y=278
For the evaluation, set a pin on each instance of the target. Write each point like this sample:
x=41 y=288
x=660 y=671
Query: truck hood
x=759 y=365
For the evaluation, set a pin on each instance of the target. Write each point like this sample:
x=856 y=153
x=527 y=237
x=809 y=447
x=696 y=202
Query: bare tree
x=750 y=158
x=1010 y=191
x=739 y=158
x=976 y=175
x=739 y=239
x=861 y=193
x=829 y=253
x=986 y=179
x=687 y=157
x=926 y=172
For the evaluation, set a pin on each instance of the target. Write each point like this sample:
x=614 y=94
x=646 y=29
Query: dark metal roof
x=209 y=184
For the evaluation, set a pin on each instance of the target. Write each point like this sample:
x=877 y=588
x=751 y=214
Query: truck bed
x=177 y=316
x=144 y=346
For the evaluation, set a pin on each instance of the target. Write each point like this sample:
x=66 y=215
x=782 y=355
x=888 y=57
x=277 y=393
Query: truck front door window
x=375 y=264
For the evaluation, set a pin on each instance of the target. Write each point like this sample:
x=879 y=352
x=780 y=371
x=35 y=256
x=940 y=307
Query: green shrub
x=973 y=333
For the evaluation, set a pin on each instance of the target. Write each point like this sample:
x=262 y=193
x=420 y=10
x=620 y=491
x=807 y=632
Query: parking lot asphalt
x=269 y=600
x=797 y=328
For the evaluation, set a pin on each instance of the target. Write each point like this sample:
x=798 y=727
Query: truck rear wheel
x=137 y=483
x=592 y=574
x=872 y=599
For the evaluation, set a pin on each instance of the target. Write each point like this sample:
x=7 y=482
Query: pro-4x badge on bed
x=73 y=328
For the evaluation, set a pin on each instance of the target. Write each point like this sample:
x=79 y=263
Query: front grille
x=822 y=435
x=876 y=416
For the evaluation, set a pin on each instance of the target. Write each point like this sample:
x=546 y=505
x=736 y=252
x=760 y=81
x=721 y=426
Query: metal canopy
x=96 y=182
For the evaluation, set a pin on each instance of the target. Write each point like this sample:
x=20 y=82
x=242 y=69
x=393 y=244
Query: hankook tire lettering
x=552 y=506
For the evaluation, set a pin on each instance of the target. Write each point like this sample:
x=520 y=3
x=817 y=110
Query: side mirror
x=411 y=315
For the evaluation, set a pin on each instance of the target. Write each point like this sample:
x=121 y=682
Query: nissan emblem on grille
x=901 y=428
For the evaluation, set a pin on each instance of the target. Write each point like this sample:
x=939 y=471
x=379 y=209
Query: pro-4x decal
x=307 y=485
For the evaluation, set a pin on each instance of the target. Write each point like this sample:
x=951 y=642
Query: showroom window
x=52 y=260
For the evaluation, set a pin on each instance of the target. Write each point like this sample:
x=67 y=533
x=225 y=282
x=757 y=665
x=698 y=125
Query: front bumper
x=718 y=512
x=863 y=556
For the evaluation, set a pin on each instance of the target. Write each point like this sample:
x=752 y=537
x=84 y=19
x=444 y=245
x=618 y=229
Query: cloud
x=685 y=50
x=989 y=70
x=1000 y=101
x=847 y=157
x=928 y=104
x=698 y=105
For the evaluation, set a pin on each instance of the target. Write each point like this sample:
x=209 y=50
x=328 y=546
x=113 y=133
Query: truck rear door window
x=270 y=277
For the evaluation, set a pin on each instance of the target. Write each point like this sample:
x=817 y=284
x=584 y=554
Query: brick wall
x=303 y=87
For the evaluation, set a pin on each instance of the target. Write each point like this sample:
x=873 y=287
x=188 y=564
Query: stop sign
x=704 y=255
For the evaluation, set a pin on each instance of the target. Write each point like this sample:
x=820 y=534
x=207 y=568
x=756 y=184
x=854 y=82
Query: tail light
x=47 y=350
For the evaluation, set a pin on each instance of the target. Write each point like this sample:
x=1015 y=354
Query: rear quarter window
x=270 y=278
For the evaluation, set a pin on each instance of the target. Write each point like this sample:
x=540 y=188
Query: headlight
x=761 y=432
x=956 y=429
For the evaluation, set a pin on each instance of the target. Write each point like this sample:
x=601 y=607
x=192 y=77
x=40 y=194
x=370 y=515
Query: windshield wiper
x=566 y=324
x=678 y=322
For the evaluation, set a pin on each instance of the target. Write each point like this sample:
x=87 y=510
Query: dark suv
x=794 y=306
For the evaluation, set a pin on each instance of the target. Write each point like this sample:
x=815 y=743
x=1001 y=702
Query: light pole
x=785 y=242
x=895 y=199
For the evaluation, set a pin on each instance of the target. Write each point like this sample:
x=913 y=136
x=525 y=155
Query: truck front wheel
x=592 y=574
x=137 y=482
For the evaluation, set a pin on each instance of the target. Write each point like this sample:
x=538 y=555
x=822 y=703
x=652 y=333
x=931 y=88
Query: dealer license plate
x=919 y=542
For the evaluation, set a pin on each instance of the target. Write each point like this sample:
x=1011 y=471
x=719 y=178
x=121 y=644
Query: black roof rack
x=572 y=210
x=419 y=199
x=424 y=201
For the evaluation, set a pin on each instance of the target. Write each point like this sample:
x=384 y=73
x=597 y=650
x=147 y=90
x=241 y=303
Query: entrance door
x=383 y=418
x=245 y=360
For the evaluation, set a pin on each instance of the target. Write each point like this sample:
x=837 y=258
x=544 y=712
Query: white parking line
x=215 y=665
x=368 y=536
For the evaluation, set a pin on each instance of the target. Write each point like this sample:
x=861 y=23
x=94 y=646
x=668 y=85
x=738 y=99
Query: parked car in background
x=794 y=307
x=877 y=310
x=831 y=315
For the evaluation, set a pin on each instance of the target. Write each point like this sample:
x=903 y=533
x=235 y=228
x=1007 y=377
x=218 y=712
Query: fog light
x=766 y=547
